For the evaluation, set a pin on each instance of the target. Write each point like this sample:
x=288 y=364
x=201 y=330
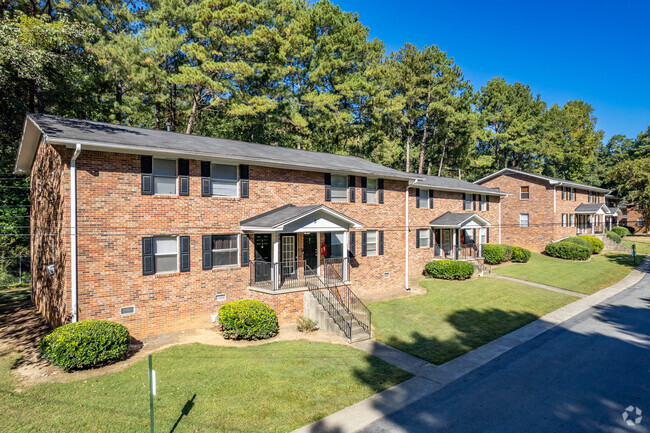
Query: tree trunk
x=423 y=145
x=409 y=141
x=442 y=158
x=195 y=107
x=118 y=100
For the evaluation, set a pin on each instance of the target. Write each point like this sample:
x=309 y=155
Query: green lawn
x=456 y=317
x=642 y=243
x=15 y=295
x=273 y=387
x=588 y=277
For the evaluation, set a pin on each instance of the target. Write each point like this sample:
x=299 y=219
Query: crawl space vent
x=125 y=311
x=221 y=297
x=386 y=274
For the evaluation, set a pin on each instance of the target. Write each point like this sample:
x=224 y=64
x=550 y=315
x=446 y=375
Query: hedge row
x=613 y=236
x=499 y=253
x=568 y=250
x=449 y=269
x=596 y=244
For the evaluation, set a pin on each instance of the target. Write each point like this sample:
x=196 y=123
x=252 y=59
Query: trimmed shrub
x=520 y=255
x=596 y=243
x=507 y=252
x=568 y=250
x=629 y=229
x=493 y=254
x=621 y=231
x=248 y=320
x=580 y=241
x=613 y=236
x=449 y=269
x=305 y=324
x=85 y=344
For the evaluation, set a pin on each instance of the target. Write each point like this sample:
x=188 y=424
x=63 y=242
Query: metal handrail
x=353 y=304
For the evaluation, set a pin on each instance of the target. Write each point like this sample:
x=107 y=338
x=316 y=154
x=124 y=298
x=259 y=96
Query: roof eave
x=29 y=142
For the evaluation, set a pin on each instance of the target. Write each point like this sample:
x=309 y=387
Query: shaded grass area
x=642 y=243
x=21 y=294
x=601 y=271
x=272 y=387
x=456 y=317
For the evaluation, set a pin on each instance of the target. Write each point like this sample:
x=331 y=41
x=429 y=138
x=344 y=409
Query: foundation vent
x=220 y=297
x=127 y=311
x=386 y=274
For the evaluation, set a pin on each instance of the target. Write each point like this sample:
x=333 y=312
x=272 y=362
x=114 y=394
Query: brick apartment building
x=633 y=218
x=541 y=209
x=156 y=230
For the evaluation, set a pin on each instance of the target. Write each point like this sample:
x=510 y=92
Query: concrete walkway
x=430 y=378
x=541 y=286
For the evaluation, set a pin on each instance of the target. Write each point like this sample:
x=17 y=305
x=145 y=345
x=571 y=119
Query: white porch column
x=318 y=253
x=592 y=220
x=346 y=235
x=610 y=222
x=275 y=262
x=604 y=224
x=453 y=243
x=480 y=244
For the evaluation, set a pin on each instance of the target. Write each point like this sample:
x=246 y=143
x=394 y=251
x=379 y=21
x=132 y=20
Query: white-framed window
x=339 y=187
x=423 y=198
x=572 y=220
x=423 y=238
x=565 y=221
x=482 y=233
x=371 y=190
x=639 y=222
x=223 y=180
x=371 y=243
x=524 y=192
x=484 y=200
x=164 y=176
x=467 y=201
x=523 y=220
x=573 y=194
x=225 y=251
x=165 y=250
x=469 y=236
x=337 y=245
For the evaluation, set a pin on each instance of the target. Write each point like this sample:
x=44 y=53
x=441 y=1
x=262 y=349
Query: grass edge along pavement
x=455 y=317
x=277 y=386
x=586 y=277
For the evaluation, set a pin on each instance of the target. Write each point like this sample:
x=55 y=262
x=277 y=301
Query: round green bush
x=596 y=243
x=613 y=236
x=621 y=231
x=84 y=344
x=449 y=269
x=493 y=254
x=630 y=229
x=248 y=320
x=507 y=252
x=520 y=255
x=568 y=250
x=580 y=241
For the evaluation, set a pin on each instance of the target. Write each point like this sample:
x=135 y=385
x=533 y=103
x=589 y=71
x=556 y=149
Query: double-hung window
x=164 y=176
x=482 y=233
x=423 y=198
x=371 y=190
x=523 y=220
x=336 y=249
x=484 y=200
x=467 y=201
x=339 y=187
x=572 y=220
x=371 y=243
x=165 y=250
x=524 y=193
x=573 y=194
x=564 y=220
x=639 y=222
x=224 y=251
x=423 y=238
x=223 y=180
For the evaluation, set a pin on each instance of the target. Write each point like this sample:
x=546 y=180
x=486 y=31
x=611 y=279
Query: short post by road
x=634 y=253
x=152 y=391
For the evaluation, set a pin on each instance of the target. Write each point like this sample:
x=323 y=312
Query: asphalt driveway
x=580 y=376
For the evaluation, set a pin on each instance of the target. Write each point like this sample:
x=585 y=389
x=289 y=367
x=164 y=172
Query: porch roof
x=295 y=219
x=615 y=211
x=458 y=220
x=592 y=209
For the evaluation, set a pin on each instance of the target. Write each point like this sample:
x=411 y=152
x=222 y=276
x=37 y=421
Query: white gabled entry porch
x=459 y=236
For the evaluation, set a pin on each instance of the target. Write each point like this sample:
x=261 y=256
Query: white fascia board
x=29 y=143
x=354 y=223
x=442 y=188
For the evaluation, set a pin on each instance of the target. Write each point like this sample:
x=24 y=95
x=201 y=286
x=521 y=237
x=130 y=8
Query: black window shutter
x=474 y=196
x=364 y=244
x=183 y=177
x=244 y=250
x=146 y=168
x=417 y=238
x=417 y=197
x=487 y=235
x=380 y=247
x=430 y=199
x=487 y=202
x=437 y=252
x=206 y=248
x=243 y=181
x=328 y=187
x=351 y=185
x=430 y=238
x=380 y=190
x=328 y=243
x=205 y=180
x=353 y=244
x=148 y=266
x=364 y=189
x=185 y=253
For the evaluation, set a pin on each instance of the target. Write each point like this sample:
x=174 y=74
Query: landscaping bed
x=586 y=277
x=456 y=317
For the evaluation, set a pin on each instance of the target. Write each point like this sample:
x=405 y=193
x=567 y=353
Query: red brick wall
x=632 y=214
x=443 y=201
x=113 y=217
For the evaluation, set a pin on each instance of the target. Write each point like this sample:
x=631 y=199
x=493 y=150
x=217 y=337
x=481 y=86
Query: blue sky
x=597 y=51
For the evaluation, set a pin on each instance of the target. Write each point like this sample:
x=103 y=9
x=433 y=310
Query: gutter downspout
x=500 y=227
x=73 y=232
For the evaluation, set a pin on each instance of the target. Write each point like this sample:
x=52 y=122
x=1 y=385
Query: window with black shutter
x=417 y=197
x=353 y=244
x=146 y=169
x=245 y=255
x=351 y=185
x=148 y=267
x=364 y=244
x=205 y=179
x=185 y=253
x=206 y=251
x=380 y=190
x=183 y=177
x=364 y=189
x=430 y=238
x=328 y=187
x=430 y=199
x=243 y=181
x=380 y=243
